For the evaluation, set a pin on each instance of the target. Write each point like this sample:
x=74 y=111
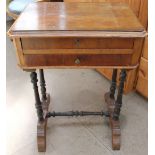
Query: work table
x=77 y=35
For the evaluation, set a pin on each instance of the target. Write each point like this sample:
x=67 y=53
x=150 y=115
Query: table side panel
x=138 y=45
x=19 y=50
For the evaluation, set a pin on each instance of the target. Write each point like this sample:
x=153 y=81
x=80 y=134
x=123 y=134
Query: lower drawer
x=87 y=60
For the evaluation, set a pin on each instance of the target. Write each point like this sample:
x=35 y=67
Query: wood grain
x=138 y=45
x=77 y=16
x=145 y=48
x=115 y=125
x=65 y=34
x=79 y=51
x=76 y=43
x=134 y=4
x=19 y=53
x=41 y=127
x=69 y=60
x=142 y=83
x=78 y=35
x=114 y=43
x=143 y=13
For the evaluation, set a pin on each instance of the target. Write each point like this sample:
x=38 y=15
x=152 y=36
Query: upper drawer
x=76 y=43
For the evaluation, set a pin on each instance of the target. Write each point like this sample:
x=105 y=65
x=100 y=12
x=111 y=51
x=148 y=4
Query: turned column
x=118 y=103
x=113 y=84
x=42 y=85
x=38 y=105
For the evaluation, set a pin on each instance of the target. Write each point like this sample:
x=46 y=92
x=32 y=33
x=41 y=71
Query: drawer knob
x=77 y=61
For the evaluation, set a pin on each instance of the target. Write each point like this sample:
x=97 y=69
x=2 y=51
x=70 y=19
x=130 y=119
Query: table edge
x=106 y=34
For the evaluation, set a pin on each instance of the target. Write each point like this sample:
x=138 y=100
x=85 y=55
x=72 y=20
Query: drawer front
x=76 y=43
x=77 y=60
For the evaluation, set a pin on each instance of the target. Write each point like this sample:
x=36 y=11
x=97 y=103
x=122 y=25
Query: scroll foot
x=114 y=124
x=41 y=127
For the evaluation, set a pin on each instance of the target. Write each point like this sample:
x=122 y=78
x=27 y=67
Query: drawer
x=76 y=43
x=142 y=82
x=77 y=60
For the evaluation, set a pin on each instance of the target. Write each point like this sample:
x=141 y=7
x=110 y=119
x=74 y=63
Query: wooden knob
x=77 y=61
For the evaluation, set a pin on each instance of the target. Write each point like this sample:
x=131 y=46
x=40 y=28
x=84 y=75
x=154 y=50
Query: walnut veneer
x=78 y=35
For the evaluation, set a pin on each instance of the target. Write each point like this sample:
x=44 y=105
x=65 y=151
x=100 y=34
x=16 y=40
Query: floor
x=70 y=90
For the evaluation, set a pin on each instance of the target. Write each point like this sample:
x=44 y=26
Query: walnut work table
x=77 y=35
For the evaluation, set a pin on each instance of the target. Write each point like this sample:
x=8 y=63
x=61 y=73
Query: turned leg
x=110 y=96
x=42 y=85
x=38 y=105
x=42 y=121
x=118 y=103
x=113 y=84
x=45 y=98
x=114 y=108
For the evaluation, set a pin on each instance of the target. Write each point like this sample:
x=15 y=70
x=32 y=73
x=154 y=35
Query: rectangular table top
x=77 y=19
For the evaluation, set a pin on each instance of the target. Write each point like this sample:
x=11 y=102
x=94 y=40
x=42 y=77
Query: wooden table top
x=77 y=19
